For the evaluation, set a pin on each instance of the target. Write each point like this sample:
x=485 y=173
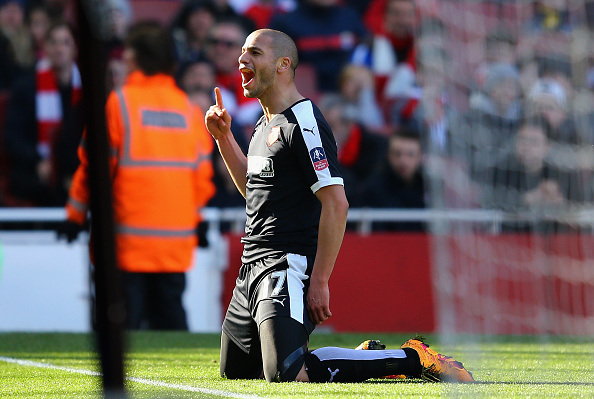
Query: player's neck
x=279 y=99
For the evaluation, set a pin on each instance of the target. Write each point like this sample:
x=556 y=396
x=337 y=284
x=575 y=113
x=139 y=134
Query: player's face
x=257 y=66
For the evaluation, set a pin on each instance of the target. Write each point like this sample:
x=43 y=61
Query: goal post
x=109 y=306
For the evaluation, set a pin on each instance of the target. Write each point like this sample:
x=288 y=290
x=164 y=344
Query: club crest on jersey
x=318 y=157
x=273 y=135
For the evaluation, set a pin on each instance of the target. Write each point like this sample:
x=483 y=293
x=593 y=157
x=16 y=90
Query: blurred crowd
x=452 y=104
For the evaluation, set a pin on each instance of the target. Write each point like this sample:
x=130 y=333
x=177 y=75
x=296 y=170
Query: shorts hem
x=235 y=340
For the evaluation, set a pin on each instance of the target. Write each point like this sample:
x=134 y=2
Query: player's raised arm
x=218 y=123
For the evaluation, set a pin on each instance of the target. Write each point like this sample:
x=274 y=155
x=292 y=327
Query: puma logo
x=310 y=130
x=281 y=301
x=332 y=374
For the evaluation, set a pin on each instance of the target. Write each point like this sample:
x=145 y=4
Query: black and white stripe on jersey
x=304 y=113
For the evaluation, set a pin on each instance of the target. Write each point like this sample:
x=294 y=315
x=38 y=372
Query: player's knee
x=236 y=364
x=282 y=370
x=231 y=375
x=240 y=372
x=272 y=373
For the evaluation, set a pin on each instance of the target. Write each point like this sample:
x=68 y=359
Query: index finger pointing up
x=218 y=98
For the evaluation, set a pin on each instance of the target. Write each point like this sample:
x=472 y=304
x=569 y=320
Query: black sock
x=333 y=364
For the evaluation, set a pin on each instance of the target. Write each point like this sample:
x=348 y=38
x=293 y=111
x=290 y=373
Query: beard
x=264 y=80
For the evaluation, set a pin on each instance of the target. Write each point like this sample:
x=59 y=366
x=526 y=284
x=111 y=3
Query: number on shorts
x=281 y=275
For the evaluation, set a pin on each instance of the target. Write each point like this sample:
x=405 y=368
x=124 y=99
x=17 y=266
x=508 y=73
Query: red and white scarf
x=49 y=105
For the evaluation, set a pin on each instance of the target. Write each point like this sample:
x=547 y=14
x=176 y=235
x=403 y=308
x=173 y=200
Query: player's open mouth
x=247 y=75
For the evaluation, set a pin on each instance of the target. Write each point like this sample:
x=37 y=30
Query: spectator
x=548 y=30
x=550 y=15
x=190 y=29
x=392 y=45
x=7 y=62
x=549 y=100
x=223 y=49
x=426 y=106
x=225 y=10
x=119 y=19
x=261 y=11
x=357 y=88
x=528 y=68
x=44 y=124
x=401 y=82
x=358 y=149
x=38 y=20
x=500 y=47
x=61 y=10
x=161 y=178
x=360 y=6
x=326 y=34
x=525 y=179
x=198 y=80
x=400 y=183
x=493 y=118
x=557 y=67
x=398 y=28
x=18 y=49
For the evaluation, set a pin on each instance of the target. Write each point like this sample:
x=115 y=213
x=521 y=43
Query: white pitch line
x=189 y=388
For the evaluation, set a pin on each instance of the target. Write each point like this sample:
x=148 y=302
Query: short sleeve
x=315 y=148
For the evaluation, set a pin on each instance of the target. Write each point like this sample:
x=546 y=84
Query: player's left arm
x=331 y=232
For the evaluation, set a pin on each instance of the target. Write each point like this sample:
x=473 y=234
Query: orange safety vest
x=161 y=171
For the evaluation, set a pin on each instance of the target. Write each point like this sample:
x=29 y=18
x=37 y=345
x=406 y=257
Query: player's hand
x=318 y=302
x=218 y=120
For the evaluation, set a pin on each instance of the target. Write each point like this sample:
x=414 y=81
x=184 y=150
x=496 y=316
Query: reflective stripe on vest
x=165 y=233
x=77 y=205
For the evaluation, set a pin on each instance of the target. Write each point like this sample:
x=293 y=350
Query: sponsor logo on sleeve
x=318 y=157
x=273 y=136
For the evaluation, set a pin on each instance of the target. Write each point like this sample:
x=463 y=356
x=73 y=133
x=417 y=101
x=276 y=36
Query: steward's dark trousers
x=154 y=301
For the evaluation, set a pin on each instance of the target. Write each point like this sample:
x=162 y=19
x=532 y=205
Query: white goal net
x=512 y=133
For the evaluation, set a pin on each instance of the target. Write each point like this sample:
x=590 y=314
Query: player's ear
x=283 y=64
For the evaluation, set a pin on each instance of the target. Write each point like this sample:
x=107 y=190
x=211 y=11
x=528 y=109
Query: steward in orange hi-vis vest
x=161 y=172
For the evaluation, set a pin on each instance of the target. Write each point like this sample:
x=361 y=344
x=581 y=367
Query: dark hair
x=153 y=47
x=58 y=24
x=185 y=66
x=180 y=20
x=501 y=34
x=539 y=122
x=554 y=64
x=408 y=133
x=37 y=7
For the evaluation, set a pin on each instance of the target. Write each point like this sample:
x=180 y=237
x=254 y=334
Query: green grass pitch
x=184 y=365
